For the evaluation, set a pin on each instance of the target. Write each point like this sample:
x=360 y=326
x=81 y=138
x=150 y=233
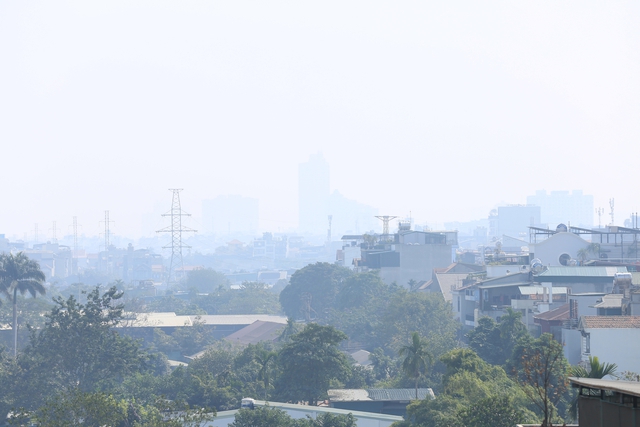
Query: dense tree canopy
x=309 y=362
x=312 y=291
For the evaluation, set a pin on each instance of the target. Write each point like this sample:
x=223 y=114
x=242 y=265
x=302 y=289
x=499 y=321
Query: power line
x=176 y=229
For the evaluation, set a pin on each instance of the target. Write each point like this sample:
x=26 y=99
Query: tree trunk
x=15 y=323
x=417 y=378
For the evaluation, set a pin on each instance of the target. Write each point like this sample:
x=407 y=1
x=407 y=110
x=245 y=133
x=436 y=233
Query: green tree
x=511 y=330
x=19 y=273
x=265 y=358
x=595 y=369
x=494 y=411
x=426 y=313
x=205 y=280
x=77 y=349
x=328 y=420
x=468 y=381
x=77 y=409
x=542 y=371
x=417 y=358
x=309 y=362
x=312 y=291
x=264 y=416
x=486 y=341
x=359 y=289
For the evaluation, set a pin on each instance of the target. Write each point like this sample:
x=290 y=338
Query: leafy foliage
x=76 y=349
x=541 y=370
x=309 y=362
x=312 y=291
x=417 y=358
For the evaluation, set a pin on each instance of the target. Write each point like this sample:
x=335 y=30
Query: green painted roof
x=580 y=271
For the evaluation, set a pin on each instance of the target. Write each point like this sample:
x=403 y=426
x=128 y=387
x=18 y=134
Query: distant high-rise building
x=230 y=214
x=563 y=207
x=350 y=217
x=515 y=220
x=313 y=195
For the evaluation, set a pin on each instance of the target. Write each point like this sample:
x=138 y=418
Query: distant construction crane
x=176 y=229
x=385 y=222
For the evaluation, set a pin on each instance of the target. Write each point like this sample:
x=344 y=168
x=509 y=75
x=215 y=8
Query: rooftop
x=610 y=322
x=626 y=387
x=582 y=271
x=610 y=301
x=560 y=313
x=379 y=394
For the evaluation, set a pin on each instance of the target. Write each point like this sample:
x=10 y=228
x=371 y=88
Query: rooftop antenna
x=330 y=217
x=599 y=211
x=54 y=235
x=107 y=239
x=611 y=202
x=74 y=265
x=385 y=222
x=176 y=229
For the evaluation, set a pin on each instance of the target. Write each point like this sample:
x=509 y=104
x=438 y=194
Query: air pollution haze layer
x=442 y=110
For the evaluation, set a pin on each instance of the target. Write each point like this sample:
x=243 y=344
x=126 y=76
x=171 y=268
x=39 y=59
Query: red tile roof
x=560 y=313
x=610 y=322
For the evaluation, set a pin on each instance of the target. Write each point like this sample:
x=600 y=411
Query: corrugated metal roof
x=583 y=271
x=170 y=319
x=504 y=285
x=239 y=319
x=348 y=395
x=626 y=387
x=538 y=290
x=610 y=301
x=399 y=393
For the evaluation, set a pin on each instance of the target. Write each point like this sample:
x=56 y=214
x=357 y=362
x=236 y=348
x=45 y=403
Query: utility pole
x=176 y=229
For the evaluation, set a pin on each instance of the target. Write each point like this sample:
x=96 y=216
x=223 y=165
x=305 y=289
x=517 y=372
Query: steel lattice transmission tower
x=385 y=223
x=176 y=229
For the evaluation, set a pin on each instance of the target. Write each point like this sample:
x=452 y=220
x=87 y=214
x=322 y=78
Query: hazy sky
x=444 y=109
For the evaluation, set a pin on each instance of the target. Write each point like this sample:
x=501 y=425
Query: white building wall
x=620 y=346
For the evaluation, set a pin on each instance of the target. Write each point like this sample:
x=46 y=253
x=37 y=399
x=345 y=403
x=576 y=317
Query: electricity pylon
x=385 y=222
x=176 y=229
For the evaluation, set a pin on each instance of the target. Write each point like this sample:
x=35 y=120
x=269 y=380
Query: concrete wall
x=619 y=346
x=549 y=250
x=417 y=263
x=572 y=343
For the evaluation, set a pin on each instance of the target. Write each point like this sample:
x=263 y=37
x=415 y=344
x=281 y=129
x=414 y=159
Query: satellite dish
x=561 y=228
x=536 y=266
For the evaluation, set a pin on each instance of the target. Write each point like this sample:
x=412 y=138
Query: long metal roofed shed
x=380 y=400
x=607 y=403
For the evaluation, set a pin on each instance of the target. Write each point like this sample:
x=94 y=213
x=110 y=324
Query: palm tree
x=417 y=358
x=263 y=358
x=18 y=273
x=594 y=370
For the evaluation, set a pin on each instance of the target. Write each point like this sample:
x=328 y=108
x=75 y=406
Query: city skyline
x=439 y=111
